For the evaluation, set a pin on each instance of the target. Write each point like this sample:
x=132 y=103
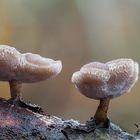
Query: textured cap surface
x=26 y=67
x=106 y=80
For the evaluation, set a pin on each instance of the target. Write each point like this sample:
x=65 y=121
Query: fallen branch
x=17 y=123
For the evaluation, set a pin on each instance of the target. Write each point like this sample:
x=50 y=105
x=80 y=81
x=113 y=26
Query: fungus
x=104 y=81
x=20 y=68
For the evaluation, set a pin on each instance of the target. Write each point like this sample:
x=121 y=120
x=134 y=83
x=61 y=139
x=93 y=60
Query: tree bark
x=21 y=122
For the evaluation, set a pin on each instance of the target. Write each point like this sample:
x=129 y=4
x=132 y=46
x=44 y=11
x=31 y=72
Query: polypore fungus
x=20 y=68
x=104 y=81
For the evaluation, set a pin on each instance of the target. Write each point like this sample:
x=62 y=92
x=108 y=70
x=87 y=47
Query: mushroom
x=104 y=81
x=20 y=68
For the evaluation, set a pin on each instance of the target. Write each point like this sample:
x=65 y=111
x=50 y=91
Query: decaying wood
x=20 y=123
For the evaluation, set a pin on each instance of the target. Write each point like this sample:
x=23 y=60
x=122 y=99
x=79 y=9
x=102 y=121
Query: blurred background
x=76 y=32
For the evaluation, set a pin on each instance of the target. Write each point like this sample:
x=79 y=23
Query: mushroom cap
x=106 y=80
x=26 y=67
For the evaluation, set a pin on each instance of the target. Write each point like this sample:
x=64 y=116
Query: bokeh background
x=76 y=32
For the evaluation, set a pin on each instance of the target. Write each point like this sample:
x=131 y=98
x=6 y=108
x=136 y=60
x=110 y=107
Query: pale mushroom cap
x=26 y=67
x=106 y=80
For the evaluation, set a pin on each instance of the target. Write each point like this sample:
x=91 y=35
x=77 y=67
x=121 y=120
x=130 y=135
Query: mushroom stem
x=15 y=89
x=101 y=112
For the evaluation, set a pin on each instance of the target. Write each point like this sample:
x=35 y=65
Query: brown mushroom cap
x=106 y=80
x=26 y=67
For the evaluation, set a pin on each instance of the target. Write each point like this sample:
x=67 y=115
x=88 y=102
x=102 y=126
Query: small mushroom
x=20 y=68
x=104 y=81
